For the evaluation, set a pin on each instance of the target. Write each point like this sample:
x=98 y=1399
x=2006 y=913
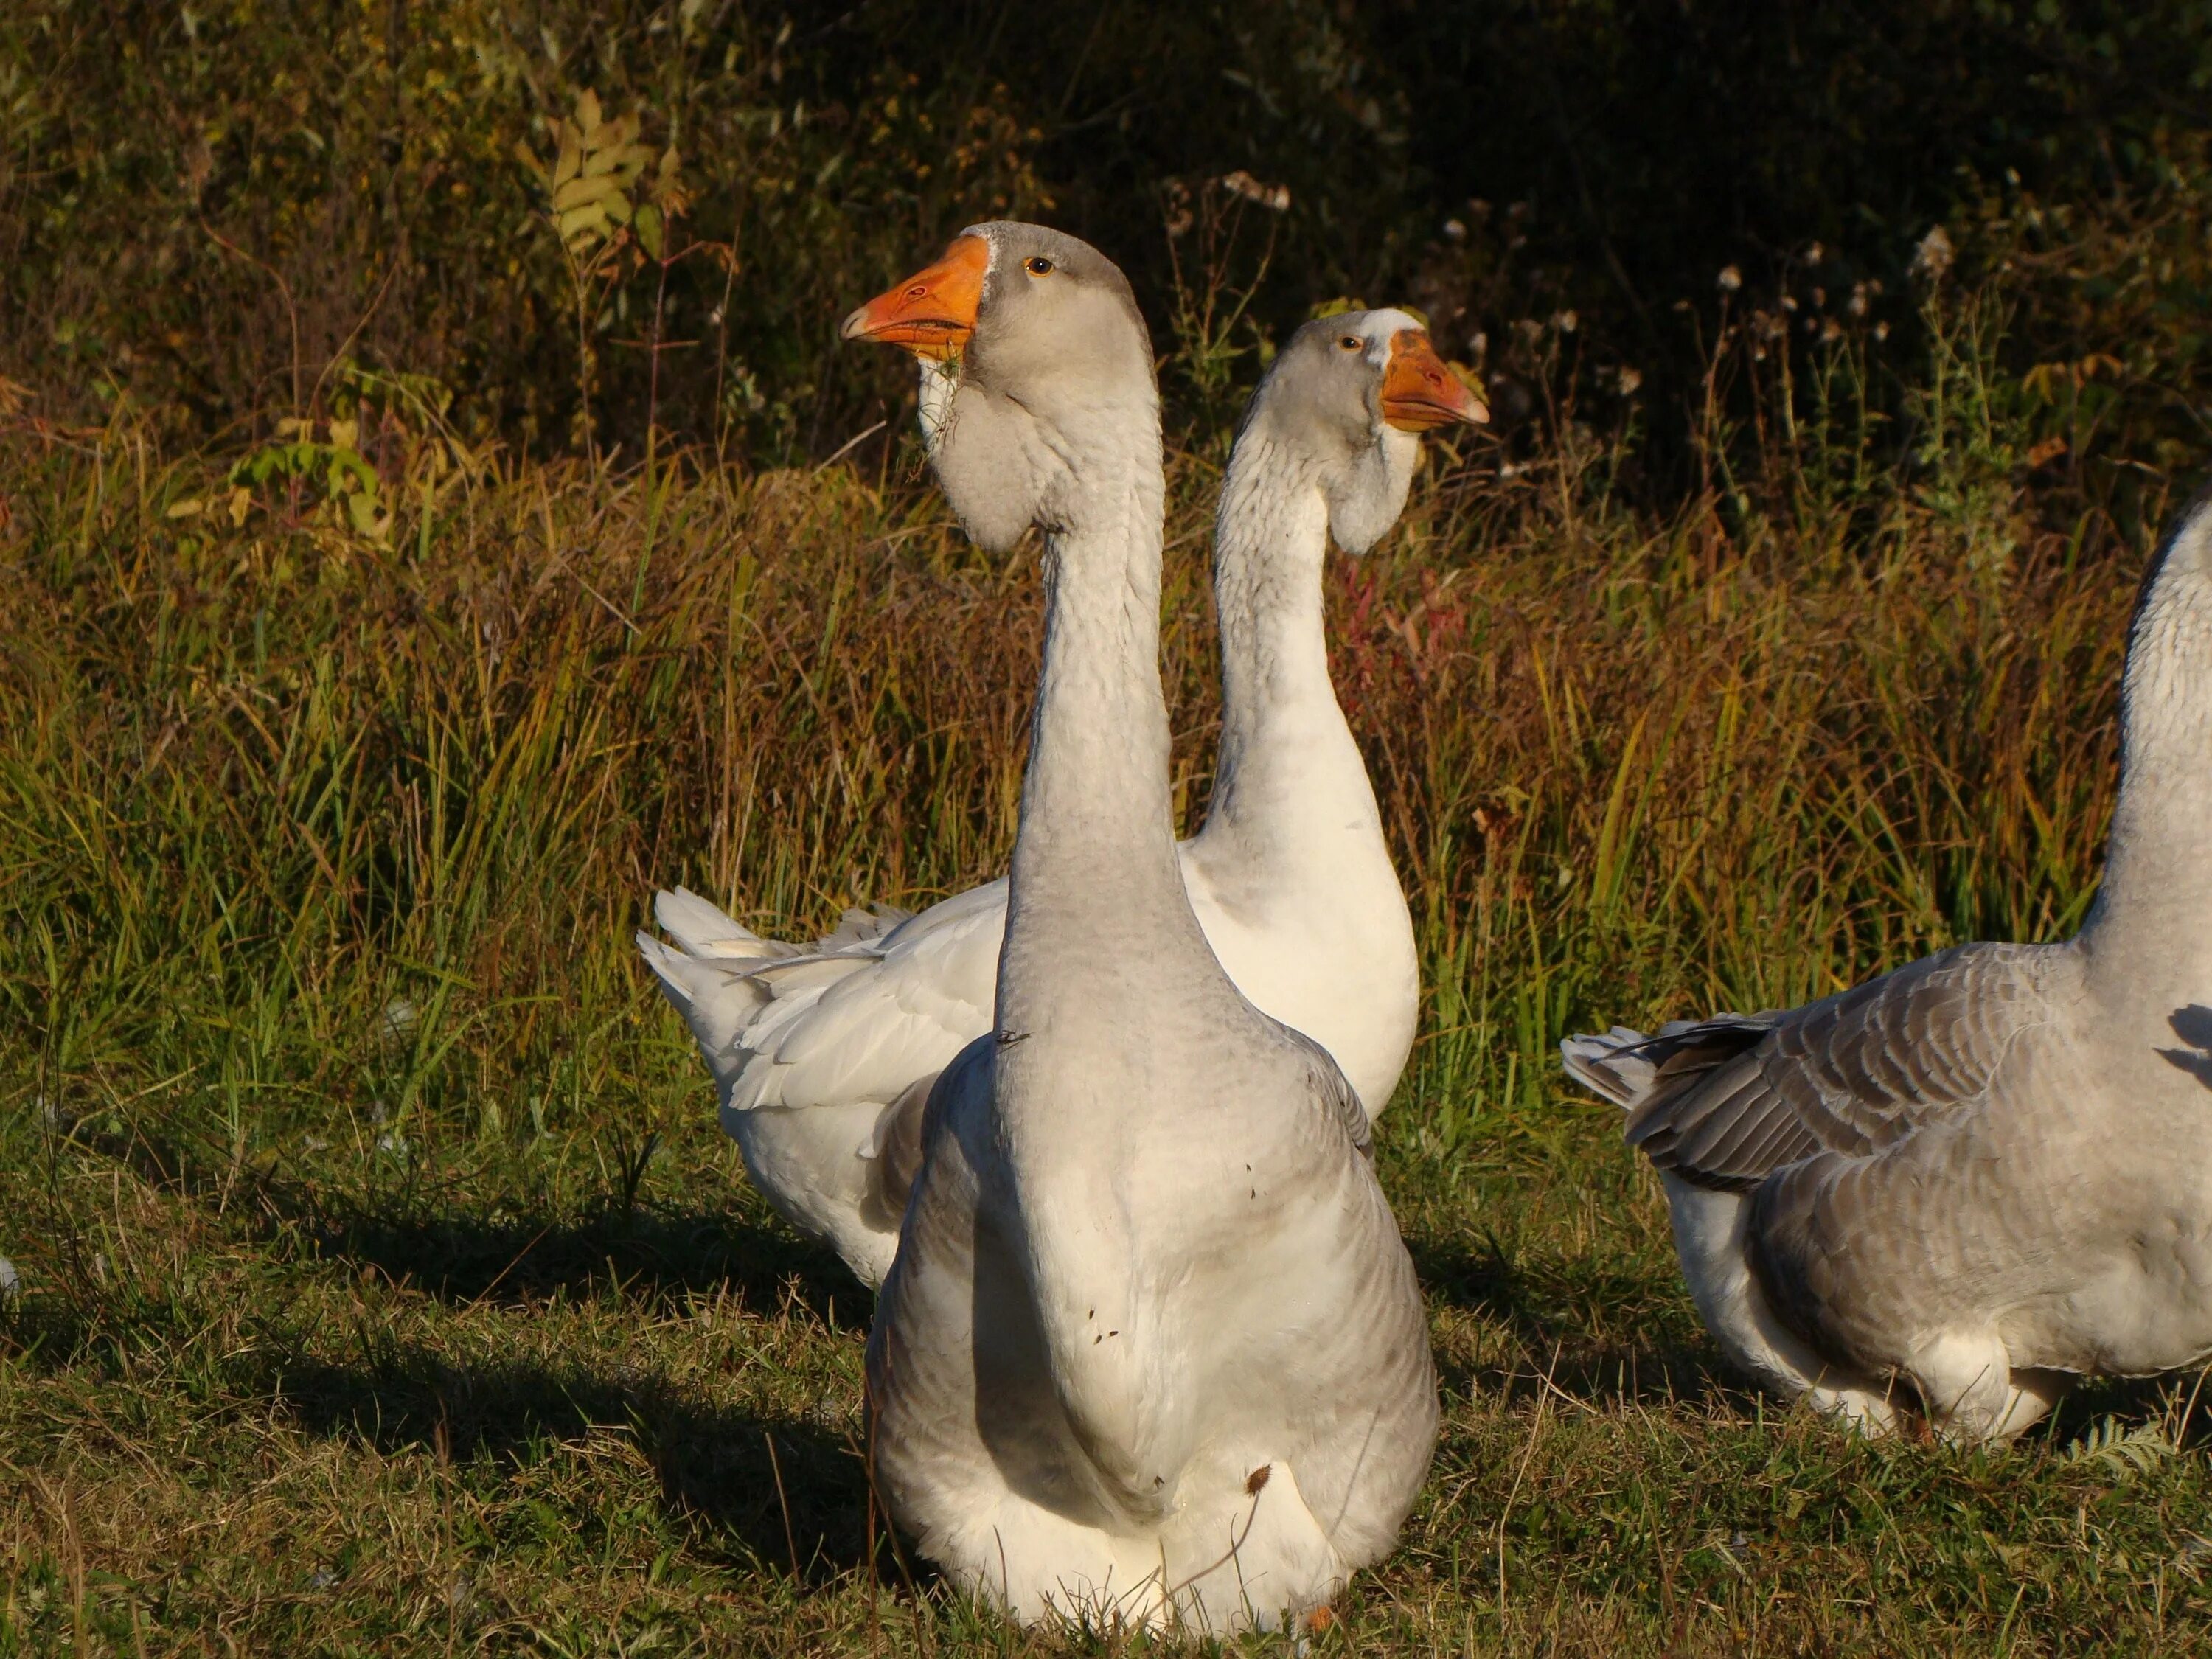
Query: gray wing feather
x=1729 y=1101
x=1334 y=1093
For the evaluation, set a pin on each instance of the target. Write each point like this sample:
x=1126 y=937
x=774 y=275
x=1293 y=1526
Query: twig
x=284 y=288
x=1505 y=1511
x=775 y=1467
x=851 y=444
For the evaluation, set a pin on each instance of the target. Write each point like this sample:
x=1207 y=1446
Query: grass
x=388 y=1289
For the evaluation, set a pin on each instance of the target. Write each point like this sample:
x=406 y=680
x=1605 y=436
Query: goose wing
x=885 y=1001
x=1723 y=1102
x=1333 y=1094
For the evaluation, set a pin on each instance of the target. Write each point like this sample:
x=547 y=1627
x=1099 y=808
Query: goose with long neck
x=1151 y=1350
x=1966 y=1184
x=824 y=1053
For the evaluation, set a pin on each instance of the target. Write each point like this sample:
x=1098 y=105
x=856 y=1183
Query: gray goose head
x=1349 y=393
x=1032 y=347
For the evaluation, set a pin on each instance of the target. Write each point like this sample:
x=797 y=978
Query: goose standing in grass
x=1989 y=1173
x=1151 y=1352
x=823 y=1055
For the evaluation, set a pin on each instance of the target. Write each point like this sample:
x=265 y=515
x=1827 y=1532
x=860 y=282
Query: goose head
x=1034 y=360
x=1351 y=394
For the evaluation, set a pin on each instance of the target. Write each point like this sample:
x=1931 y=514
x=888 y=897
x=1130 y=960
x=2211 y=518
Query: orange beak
x=1420 y=393
x=933 y=312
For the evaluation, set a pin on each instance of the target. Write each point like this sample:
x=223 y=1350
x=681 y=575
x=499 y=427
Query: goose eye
x=1352 y=343
x=1037 y=265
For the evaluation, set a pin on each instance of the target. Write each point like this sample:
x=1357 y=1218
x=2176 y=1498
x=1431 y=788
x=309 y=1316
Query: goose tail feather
x=1611 y=1066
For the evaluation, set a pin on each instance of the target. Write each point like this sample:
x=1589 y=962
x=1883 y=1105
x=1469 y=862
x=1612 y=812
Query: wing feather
x=1724 y=1102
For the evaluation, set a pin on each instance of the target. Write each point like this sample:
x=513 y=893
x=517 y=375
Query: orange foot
x=1314 y=1620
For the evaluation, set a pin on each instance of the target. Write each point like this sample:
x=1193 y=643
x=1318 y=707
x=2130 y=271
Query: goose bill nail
x=1419 y=392
x=933 y=312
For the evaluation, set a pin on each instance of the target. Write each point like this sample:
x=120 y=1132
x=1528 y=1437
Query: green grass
x=388 y=1289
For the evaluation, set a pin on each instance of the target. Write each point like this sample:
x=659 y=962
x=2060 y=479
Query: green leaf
x=571 y=157
x=587 y=220
x=647 y=225
x=587 y=112
x=578 y=191
x=2123 y=1451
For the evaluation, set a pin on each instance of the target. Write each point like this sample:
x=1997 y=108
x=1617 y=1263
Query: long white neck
x=2152 y=924
x=1289 y=785
x=1095 y=858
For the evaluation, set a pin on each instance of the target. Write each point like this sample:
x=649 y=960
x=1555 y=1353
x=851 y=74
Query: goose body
x=1151 y=1350
x=823 y=1057
x=1988 y=1173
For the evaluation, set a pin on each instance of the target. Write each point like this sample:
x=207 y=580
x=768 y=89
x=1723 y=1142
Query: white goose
x=1989 y=1173
x=1151 y=1350
x=823 y=1055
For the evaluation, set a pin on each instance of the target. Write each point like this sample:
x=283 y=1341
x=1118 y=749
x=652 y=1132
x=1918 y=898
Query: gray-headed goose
x=1151 y=1350
x=1990 y=1172
x=823 y=1056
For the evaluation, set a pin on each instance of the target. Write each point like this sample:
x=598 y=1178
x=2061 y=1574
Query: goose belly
x=1249 y=1304
x=2080 y=1253
x=1157 y=1385
x=808 y=1161
x=2139 y=1304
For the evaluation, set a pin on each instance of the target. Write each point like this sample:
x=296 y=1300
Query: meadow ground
x=387 y=1287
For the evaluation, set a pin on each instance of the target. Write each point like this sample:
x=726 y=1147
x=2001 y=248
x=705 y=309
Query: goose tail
x=718 y=997
x=1614 y=1067
x=712 y=934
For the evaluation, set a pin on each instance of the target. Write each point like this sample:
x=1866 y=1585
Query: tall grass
x=352 y=1162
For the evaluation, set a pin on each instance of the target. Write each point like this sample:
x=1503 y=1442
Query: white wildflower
x=1934 y=256
x=1276 y=198
x=1731 y=279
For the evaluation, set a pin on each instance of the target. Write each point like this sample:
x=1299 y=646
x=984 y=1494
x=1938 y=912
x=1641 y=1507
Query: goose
x=1989 y=1173
x=823 y=1055
x=1151 y=1352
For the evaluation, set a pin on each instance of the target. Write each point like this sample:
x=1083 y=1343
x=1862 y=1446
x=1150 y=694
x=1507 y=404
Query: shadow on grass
x=805 y=1499
x=651 y=1250
x=1548 y=1308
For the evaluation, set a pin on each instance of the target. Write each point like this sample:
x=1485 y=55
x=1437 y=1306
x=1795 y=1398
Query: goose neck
x=1096 y=820
x=1285 y=748
x=2154 y=909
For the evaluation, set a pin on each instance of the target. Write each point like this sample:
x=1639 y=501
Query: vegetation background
x=434 y=512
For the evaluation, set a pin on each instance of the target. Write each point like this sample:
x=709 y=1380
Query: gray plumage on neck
x=1314 y=459
x=1058 y=361
x=2156 y=893
x=1316 y=422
